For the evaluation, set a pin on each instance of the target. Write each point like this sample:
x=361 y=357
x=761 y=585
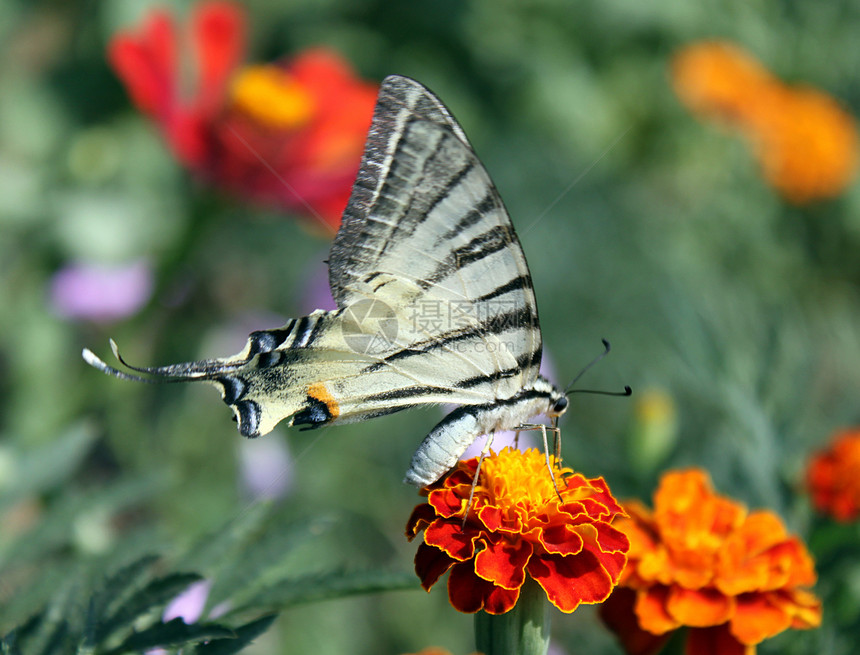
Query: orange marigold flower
x=288 y=135
x=807 y=146
x=833 y=476
x=720 y=81
x=702 y=560
x=517 y=526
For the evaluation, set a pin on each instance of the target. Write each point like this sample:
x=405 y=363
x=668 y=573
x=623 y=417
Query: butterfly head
x=555 y=398
x=559 y=404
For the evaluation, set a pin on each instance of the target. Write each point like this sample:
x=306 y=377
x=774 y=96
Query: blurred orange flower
x=701 y=560
x=806 y=144
x=720 y=81
x=515 y=527
x=833 y=476
x=288 y=135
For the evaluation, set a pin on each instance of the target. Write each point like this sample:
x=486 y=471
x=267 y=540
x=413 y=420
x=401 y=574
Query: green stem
x=522 y=631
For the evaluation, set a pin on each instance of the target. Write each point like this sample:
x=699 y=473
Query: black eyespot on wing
x=268 y=359
x=315 y=414
x=249 y=418
x=233 y=388
x=263 y=341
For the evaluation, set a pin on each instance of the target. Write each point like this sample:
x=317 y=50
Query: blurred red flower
x=833 y=476
x=288 y=135
x=806 y=144
x=701 y=560
x=517 y=526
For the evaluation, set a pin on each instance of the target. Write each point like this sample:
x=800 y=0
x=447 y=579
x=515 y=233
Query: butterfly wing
x=435 y=302
x=426 y=232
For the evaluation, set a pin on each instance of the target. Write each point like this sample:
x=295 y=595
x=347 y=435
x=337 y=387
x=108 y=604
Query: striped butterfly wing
x=426 y=233
x=435 y=302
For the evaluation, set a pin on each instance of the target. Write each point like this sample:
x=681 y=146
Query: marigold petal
x=561 y=540
x=501 y=600
x=650 y=609
x=504 y=563
x=791 y=565
x=431 y=564
x=449 y=537
x=491 y=517
x=610 y=539
x=468 y=593
x=609 y=507
x=422 y=516
x=642 y=538
x=447 y=502
x=613 y=562
x=569 y=581
x=699 y=607
x=748 y=559
x=715 y=641
x=617 y=613
x=803 y=606
x=757 y=618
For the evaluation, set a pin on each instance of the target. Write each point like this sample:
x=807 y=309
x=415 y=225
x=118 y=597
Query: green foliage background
x=641 y=225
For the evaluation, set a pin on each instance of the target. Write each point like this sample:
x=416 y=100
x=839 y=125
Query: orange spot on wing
x=319 y=392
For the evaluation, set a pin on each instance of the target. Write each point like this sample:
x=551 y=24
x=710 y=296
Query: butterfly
x=434 y=304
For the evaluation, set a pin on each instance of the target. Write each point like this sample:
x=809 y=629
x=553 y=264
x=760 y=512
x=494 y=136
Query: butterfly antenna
x=569 y=388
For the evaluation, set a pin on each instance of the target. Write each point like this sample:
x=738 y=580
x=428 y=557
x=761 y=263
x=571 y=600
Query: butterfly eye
x=560 y=405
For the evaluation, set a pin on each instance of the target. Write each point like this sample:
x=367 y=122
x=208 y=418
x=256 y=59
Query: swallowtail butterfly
x=434 y=303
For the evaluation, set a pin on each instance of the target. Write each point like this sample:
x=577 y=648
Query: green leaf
x=21 y=633
x=227 y=542
x=9 y=644
x=261 y=561
x=172 y=633
x=244 y=636
x=57 y=639
x=118 y=587
x=337 y=584
x=154 y=594
x=47 y=634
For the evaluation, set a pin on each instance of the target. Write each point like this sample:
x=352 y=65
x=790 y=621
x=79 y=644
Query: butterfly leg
x=543 y=431
x=556 y=447
x=481 y=457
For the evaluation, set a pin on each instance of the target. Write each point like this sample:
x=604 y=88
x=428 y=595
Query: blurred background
x=679 y=228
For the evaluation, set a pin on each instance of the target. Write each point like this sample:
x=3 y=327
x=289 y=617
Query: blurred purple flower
x=316 y=292
x=98 y=292
x=189 y=604
x=265 y=467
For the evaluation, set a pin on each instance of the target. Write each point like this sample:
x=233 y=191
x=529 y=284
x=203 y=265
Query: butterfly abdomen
x=456 y=432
